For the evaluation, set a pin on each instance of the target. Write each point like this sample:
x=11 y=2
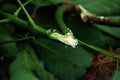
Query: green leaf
x=110 y=41
x=65 y=62
x=22 y=71
x=10 y=49
x=45 y=17
x=117 y=77
x=116 y=73
x=9 y=7
x=102 y=7
x=39 y=3
x=23 y=75
x=27 y=67
x=114 y=31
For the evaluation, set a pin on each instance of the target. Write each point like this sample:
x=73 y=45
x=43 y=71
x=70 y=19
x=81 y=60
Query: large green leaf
x=27 y=67
x=114 y=31
x=39 y=3
x=10 y=49
x=112 y=41
x=102 y=7
x=20 y=68
x=65 y=62
x=9 y=7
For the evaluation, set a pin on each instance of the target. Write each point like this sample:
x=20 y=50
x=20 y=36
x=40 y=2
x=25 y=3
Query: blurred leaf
x=112 y=42
x=10 y=49
x=66 y=63
x=39 y=3
x=9 y=7
x=4 y=65
x=116 y=73
x=102 y=7
x=117 y=77
x=114 y=31
x=45 y=17
x=29 y=67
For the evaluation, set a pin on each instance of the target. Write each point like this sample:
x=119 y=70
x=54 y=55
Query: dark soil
x=101 y=69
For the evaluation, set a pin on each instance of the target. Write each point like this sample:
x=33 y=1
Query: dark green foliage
x=26 y=66
x=41 y=58
x=65 y=62
x=9 y=50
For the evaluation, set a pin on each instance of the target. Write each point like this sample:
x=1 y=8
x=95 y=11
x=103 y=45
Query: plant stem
x=32 y=23
x=68 y=37
x=4 y=21
x=101 y=50
x=14 y=19
x=59 y=17
x=24 y=24
x=18 y=10
x=90 y=17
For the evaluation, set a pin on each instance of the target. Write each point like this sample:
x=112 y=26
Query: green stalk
x=70 y=40
x=4 y=21
x=59 y=18
x=100 y=50
x=67 y=39
x=18 y=10
x=32 y=23
x=24 y=24
x=14 y=19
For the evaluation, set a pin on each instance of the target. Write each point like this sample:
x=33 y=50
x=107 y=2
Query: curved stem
x=59 y=18
x=68 y=37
